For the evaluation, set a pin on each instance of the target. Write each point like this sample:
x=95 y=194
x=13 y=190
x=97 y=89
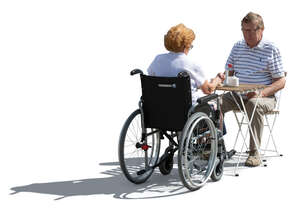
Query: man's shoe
x=253 y=160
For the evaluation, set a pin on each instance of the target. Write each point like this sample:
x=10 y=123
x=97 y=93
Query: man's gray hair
x=253 y=18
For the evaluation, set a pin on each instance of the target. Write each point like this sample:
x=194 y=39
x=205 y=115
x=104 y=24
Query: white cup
x=233 y=81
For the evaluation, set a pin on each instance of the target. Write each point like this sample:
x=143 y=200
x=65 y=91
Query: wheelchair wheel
x=137 y=157
x=197 y=151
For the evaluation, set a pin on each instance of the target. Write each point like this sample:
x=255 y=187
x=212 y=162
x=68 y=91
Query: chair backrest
x=279 y=96
x=166 y=101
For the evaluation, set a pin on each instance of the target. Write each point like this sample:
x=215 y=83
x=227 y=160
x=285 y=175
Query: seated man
x=255 y=61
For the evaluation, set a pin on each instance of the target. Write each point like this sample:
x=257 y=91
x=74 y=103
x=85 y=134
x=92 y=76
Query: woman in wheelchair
x=173 y=105
x=178 y=41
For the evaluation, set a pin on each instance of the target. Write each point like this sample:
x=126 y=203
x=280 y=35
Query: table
x=240 y=90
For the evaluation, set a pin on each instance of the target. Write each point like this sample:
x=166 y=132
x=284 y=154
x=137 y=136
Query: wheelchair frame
x=200 y=146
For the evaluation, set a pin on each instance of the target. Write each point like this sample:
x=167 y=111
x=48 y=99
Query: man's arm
x=278 y=84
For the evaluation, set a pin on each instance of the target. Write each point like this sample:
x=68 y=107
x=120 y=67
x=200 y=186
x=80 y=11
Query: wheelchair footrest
x=169 y=153
x=230 y=153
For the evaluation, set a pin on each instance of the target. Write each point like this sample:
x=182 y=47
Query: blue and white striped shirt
x=257 y=65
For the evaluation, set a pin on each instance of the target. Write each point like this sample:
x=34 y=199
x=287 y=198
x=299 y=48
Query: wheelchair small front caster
x=166 y=166
x=218 y=170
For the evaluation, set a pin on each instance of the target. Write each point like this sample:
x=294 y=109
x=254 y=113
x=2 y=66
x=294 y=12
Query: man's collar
x=260 y=45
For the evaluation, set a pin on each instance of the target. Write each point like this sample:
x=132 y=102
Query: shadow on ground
x=114 y=184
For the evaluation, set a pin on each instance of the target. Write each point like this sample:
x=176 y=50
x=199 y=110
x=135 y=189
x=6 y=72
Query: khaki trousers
x=263 y=105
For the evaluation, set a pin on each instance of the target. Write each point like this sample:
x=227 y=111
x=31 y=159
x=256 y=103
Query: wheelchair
x=166 y=111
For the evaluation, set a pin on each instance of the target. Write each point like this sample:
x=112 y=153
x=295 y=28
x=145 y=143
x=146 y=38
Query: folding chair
x=270 y=119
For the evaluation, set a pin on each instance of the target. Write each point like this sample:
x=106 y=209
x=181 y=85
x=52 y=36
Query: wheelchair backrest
x=166 y=101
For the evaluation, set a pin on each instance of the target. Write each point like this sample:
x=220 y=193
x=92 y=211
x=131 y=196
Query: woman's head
x=179 y=38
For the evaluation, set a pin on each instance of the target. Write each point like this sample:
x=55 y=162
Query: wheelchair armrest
x=207 y=98
x=136 y=71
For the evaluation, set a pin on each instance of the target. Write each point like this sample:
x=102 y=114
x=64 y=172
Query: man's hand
x=221 y=76
x=252 y=95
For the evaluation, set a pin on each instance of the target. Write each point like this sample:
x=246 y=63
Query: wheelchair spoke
x=134 y=132
x=192 y=161
x=198 y=152
x=136 y=157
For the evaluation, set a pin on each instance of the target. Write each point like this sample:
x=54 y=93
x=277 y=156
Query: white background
x=65 y=92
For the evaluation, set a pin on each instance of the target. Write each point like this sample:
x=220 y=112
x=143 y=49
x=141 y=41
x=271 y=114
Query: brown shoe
x=253 y=160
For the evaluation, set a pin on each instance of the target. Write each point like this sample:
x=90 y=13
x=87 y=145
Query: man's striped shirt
x=257 y=65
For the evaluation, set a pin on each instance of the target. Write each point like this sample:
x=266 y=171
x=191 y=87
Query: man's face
x=252 y=33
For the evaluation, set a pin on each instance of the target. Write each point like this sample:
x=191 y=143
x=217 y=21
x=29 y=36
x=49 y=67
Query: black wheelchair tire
x=166 y=166
x=141 y=176
x=217 y=172
x=184 y=144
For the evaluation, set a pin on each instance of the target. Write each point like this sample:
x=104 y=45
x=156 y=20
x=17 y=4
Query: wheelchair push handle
x=136 y=71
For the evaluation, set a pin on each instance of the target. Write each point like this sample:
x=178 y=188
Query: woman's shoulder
x=164 y=55
x=190 y=62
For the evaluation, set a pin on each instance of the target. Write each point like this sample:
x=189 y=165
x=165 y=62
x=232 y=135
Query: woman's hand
x=209 y=87
x=206 y=88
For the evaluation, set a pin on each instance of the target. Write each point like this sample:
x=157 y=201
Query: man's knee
x=254 y=104
x=251 y=103
x=227 y=104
